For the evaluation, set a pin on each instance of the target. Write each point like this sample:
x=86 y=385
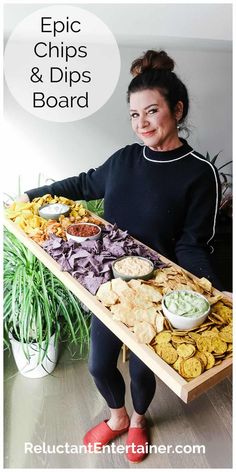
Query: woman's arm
x=195 y=242
x=85 y=186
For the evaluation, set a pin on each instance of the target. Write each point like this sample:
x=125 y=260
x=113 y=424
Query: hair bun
x=152 y=60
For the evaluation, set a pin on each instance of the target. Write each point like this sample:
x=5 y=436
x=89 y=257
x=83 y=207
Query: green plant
x=226 y=185
x=95 y=206
x=36 y=304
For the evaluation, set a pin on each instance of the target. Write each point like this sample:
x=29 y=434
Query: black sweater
x=166 y=199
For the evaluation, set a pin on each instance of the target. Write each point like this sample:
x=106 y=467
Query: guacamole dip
x=186 y=303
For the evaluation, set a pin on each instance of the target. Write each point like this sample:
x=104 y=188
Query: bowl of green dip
x=185 y=309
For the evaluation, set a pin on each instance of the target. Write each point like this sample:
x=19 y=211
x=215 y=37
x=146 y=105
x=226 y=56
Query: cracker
x=167 y=353
x=210 y=360
x=186 y=350
x=204 y=344
x=191 y=367
x=163 y=337
x=218 y=346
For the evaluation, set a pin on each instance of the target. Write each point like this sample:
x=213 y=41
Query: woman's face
x=152 y=120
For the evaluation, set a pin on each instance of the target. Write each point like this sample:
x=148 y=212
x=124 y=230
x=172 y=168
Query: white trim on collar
x=167 y=161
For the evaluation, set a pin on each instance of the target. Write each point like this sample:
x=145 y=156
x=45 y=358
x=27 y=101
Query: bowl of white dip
x=132 y=267
x=185 y=309
x=52 y=211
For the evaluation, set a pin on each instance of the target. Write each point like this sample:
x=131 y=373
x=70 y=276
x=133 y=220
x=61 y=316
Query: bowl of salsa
x=185 y=309
x=82 y=231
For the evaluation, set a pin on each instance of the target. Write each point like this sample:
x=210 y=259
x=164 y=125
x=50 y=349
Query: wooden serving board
x=187 y=391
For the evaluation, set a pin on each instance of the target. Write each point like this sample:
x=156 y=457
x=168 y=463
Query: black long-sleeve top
x=166 y=199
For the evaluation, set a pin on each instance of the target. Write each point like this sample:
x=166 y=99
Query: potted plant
x=225 y=208
x=222 y=257
x=38 y=311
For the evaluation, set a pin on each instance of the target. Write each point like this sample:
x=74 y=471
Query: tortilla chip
x=144 y=332
x=210 y=360
x=163 y=337
x=159 y=322
x=218 y=346
x=150 y=293
x=204 y=344
x=145 y=314
x=118 y=286
x=134 y=284
x=106 y=295
x=186 y=350
x=140 y=301
x=205 y=284
x=167 y=353
x=123 y=313
x=214 y=298
x=191 y=367
x=203 y=357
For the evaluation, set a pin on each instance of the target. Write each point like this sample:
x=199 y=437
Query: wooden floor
x=58 y=409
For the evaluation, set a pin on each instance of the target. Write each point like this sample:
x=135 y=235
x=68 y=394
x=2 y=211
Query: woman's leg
x=143 y=386
x=103 y=357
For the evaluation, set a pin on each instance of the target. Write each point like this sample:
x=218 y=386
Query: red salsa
x=83 y=230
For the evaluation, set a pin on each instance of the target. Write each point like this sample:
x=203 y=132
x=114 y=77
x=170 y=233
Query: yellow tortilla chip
x=167 y=353
x=191 y=367
x=218 y=346
x=205 y=284
x=176 y=364
x=163 y=337
x=204 y=344
x=210 y=360
x=202 y=355
x=186 y=350
x=212 y=300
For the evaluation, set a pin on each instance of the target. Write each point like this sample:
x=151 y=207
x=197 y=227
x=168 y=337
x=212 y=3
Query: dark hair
x=154 y=70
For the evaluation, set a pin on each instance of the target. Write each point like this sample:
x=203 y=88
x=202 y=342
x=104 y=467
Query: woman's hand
x=23 y=198
x=228 y=294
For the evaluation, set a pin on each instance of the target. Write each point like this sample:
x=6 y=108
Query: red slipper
x=101 y=435
x=137 y=444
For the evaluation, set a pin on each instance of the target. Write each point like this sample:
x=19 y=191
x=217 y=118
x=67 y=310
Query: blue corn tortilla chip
x=90 y=261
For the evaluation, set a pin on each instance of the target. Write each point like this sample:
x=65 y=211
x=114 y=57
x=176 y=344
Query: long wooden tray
x=187 y=391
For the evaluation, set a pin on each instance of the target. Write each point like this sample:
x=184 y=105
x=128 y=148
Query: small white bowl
x=183 y=322
x=80 y=239
x=52 y=211
x=126 y=277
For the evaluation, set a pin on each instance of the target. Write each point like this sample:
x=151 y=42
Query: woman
x=166 y=195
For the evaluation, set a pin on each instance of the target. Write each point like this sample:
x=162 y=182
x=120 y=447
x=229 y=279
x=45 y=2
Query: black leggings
x=104 y=352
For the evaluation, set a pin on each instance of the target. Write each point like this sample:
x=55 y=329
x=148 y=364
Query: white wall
x=198 y=37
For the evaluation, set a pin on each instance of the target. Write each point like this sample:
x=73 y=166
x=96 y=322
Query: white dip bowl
x=184 y=321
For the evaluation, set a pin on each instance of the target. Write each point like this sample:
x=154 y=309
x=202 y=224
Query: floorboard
x=60 y=408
